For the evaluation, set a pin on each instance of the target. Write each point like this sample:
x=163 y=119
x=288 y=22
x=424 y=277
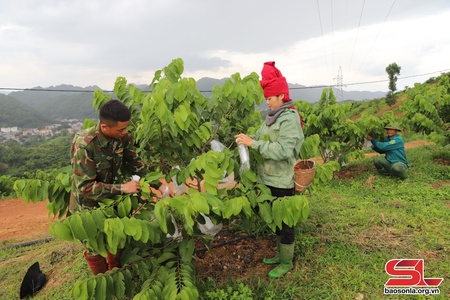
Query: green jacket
x=279 y=145
x=393 y=147
x=97 y=164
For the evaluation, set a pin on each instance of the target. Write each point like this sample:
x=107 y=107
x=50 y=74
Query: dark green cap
x=394 y=126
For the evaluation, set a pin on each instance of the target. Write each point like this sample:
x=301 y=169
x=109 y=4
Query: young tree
x=427 y=107
x=173 y=126
x=340 y=138
x=393 y=70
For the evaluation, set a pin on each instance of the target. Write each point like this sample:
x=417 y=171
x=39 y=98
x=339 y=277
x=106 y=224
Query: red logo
x=409 y=272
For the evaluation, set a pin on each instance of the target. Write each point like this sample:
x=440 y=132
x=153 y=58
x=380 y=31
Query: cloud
x=49 y=42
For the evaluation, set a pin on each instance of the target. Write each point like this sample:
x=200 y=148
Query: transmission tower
x=339 y=85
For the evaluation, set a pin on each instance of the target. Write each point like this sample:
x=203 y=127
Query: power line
x=321 y=31
x=292 y=88
x=54 y=90
x=378 y=33
x=356 y=37
x=332 y=33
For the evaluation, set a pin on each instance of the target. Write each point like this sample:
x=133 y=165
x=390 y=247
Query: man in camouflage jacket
x=99 y=154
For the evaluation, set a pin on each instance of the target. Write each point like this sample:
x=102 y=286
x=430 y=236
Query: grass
x=355 y=227
x=60 y=261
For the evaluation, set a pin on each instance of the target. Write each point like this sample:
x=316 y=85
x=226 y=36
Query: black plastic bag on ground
x=33 y=281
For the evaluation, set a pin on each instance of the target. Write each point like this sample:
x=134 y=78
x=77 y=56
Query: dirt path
x=25 y=222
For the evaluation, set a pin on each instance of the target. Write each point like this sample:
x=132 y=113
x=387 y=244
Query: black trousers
x=286 y=233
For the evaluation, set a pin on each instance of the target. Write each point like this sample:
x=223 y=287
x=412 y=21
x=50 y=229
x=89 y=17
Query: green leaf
x=119 y=284
x=180 y=117
x=109 y=287
x=200 y=204
x=88 y=224
x=76 y=225
x=164 y=257
x=145 y=233
x=277 y=213
x=100 y=241
x=180 y=93
x=99 y=218
x=265 y=211
x=162 y=111
x=91 y=284
x=114 y=231
x=130 y=227
x=213 y=171
x=80 y=290
x=61 y=231
x=228 y=88
x=210 y=188
x=187 y=248
x=124 y=207
x=129 y=283
x=43 y=191
x=161 y=214
x=100 y=288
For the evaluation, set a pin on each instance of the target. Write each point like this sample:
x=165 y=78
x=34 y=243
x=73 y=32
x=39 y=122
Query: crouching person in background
x=393 y=147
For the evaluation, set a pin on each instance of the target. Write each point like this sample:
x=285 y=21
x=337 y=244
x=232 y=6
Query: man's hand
x=131 y=187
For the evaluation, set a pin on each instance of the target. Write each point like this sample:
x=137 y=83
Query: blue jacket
x=393 y=147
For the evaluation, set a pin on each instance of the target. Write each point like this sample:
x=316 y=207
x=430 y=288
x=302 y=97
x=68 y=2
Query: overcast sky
x=92 y=42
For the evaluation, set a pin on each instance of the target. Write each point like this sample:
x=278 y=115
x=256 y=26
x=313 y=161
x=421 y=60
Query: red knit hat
x=273 y=82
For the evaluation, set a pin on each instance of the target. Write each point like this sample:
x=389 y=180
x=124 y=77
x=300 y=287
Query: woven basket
x=304 y=172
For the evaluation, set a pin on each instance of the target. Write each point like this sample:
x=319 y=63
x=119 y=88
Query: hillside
x=358 y=222
x=62 y=101
x=15 y=113
x=68 y=101
x=297 y=91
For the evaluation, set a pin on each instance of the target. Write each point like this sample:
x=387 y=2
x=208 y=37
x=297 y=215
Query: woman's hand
x=243 y=139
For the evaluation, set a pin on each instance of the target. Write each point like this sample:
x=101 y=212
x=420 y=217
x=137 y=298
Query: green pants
x=398 y=169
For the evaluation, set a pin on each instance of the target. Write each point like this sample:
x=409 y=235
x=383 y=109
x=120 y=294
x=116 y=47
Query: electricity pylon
x=339 y=85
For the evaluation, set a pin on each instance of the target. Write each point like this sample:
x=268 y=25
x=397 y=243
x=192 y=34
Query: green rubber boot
x=276 y=258
x=286 y=256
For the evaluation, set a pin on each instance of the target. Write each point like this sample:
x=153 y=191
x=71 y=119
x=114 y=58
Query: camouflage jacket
x=97 y=163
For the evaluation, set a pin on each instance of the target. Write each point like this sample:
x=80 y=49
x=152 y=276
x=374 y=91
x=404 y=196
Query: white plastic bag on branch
x=218 y=147
x=178 y=189
x=177 y=234
x=245 y=158
x=209 y=227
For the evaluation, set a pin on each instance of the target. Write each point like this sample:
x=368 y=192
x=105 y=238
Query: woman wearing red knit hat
x=280 y=152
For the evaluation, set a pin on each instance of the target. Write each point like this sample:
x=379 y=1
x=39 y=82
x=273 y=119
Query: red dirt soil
x=21 y=221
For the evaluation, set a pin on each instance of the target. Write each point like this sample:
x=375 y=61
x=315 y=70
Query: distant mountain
x=297 y=91
x=59 y=102
x=68 y=101
x=15 y=113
